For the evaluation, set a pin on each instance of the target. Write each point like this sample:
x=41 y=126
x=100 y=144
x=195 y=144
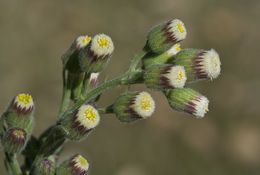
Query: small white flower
x=178 y=29
x=80 y=163
x=144 y=105
x=174 y=49
x=177 y=76
x=24 y=101
x=82 y=41
x=211 y=63
x=102 y=45
x=201 y=106
x=88 y=116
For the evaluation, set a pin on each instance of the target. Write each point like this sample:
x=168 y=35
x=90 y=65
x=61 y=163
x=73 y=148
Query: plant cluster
x=165 y=67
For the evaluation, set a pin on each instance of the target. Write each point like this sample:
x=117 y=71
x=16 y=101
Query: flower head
x=175 y=30
x=95 y=57
x=14 y=140
x=165 y=76
x=23 y=103
x=87 y=116
x=46 y=166
x=209 y=63
x=164 y=36
x=82 y=41
x=199 y=64
x=174 y=49
x=132 y=106
x=102 y=45
x=73 y=166
x=189 y=101
x=143 y=104
x=81 y=122
x=20 y=111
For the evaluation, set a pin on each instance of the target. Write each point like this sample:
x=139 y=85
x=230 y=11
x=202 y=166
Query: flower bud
x=96 y=55
x=199 y=64
x=70 y=57
x=165 y=57
x=81 y=122
x=164 y=76
x=46 y=166
x=164 y=36
x=20 y=112
x=76 y=165
x=71 y=63
x=14 y=140
x=132 y=106
x=189 y=101
x=93 y=80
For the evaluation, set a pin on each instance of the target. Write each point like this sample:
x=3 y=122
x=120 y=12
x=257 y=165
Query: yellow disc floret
x=180 y=75
x=19 y=133
x=82 y=41
x=102 y=45
x=177 y=76
x=178 y=48
x=81 y=162
x=144 y=104
x=25 y=98
x=177 y=28
x=103 y=42
x=88 y=116
x=85 y=40
x=181 y=29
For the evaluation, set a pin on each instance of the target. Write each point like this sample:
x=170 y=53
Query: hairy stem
x=13 y=164
x=65 y=96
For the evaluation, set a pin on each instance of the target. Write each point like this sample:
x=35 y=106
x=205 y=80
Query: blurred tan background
x=34 y=34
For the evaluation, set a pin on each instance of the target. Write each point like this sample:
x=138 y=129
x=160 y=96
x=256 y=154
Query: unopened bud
x=164 y=36
x=164 y=76
x=132 y=106
x=81 y=122
x=199 y=64
x=14 y=140
x=96 y=55
x=189 y=101
x=20 y=112
x=75 y=165
x=46 y=166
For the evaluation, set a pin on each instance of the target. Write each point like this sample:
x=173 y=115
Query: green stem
x=106 y=110
x=65 y=96
x=13 y=164
x=127 y=78
x=137 y=59
x=85 y=84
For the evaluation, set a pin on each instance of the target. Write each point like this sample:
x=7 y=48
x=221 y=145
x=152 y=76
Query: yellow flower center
x=178 y=47
x=19 y=134
x=145 y=103
x=181 y=29
x=180 y=75
x=89 y=115
x=215 y=63
x=82 y=161
x=25 y=98
x=103 y=42
x=206 y=109
x=86 y=40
